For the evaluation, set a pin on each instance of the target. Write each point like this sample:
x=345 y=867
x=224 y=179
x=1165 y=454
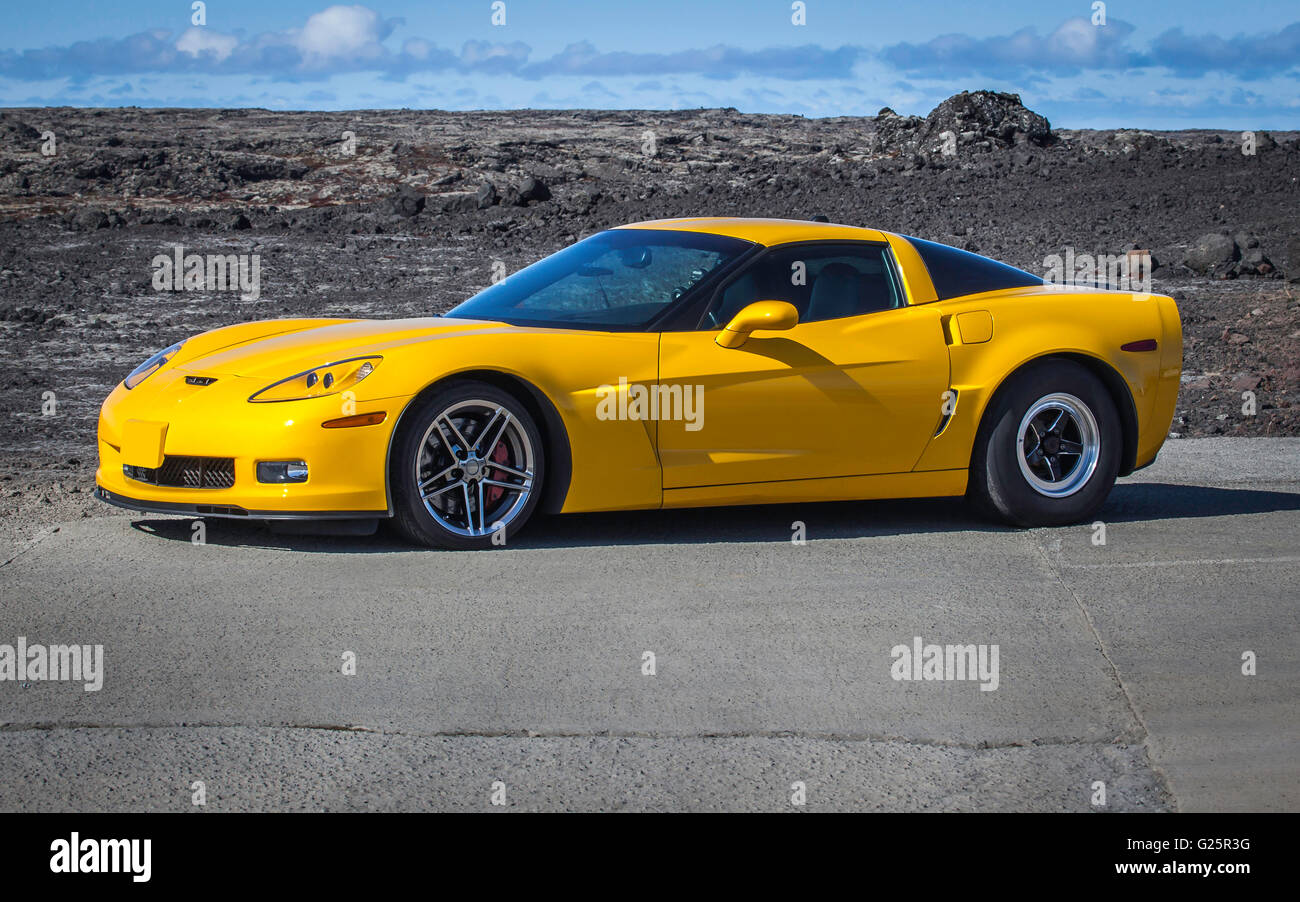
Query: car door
x=856 y=388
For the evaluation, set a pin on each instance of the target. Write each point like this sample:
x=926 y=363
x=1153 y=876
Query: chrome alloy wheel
x=474 y=468
x=1058 y=445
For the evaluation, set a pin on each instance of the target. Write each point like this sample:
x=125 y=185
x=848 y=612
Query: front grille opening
x=187 y=472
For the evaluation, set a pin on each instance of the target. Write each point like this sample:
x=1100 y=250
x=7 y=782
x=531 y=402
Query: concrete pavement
x=1118 y=662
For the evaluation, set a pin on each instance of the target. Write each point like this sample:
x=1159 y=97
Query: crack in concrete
x=1145 y=731
x=985 y=745
x=1199 y=562
x=31 y=543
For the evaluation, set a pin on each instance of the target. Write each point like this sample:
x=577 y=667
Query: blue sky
x=1153 y=64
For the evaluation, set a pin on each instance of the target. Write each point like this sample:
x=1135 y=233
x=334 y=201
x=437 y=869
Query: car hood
x=280 y=348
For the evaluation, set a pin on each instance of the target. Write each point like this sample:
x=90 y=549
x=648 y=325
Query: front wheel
x=467 y=468
x=1048 y=451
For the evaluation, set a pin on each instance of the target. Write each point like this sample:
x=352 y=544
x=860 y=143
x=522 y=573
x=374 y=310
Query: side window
x=822 y=282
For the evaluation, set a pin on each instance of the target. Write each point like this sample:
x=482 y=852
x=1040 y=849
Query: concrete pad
x=1117 y=663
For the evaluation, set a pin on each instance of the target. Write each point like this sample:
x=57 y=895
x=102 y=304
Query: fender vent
x=949 y=408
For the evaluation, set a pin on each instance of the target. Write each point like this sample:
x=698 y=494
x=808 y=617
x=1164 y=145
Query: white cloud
x=342 y=33
x=196 y=41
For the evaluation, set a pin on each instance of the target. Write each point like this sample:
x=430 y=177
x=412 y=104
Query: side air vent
x=949 y=408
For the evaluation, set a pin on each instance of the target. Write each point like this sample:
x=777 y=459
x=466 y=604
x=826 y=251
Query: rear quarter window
x=955 y=272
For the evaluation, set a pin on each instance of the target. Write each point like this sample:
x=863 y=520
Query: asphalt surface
x=1119 y=663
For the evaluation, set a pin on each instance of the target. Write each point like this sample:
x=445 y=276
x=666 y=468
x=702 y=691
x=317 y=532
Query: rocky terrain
x=399 y=213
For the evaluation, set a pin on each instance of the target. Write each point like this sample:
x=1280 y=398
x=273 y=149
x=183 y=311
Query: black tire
x=468 y=406
x=1017 y=490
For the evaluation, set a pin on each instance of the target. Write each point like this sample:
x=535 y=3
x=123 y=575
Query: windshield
x=618 y=279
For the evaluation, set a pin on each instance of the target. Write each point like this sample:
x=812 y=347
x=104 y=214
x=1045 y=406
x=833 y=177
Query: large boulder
x=88 y=219
x=988 y=115
x=486 y=195
x=1210 y=253
x=405 y=202
x=1292 y=251
x=456 y=202
x=534 y=189
x=1226 y=256
x=529 y=190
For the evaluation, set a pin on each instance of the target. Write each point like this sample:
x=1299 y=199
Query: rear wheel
x=1048 y=450
x=467 y=468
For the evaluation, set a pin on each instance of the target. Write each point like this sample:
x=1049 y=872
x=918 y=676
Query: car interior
x=834 y=284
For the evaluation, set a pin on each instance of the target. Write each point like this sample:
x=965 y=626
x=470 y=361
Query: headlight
x=151 y=366
x=323 y=380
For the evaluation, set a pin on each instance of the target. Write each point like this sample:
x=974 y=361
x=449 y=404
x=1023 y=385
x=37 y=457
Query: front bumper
x=347 y=467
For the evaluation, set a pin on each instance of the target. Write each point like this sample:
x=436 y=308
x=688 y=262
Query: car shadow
x=1129 y=502
x=1134 y=501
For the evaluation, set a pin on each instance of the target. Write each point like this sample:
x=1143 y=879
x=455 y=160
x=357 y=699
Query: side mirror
x=758 y=315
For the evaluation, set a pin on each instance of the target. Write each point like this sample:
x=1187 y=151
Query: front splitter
x=230 y=511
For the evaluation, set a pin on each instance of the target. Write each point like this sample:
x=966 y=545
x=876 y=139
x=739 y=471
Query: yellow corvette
x=679 y=363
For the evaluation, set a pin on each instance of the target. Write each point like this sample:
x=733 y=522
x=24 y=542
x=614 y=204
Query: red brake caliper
x=494 y=492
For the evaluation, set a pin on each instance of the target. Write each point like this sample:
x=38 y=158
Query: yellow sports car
x=679 y=363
